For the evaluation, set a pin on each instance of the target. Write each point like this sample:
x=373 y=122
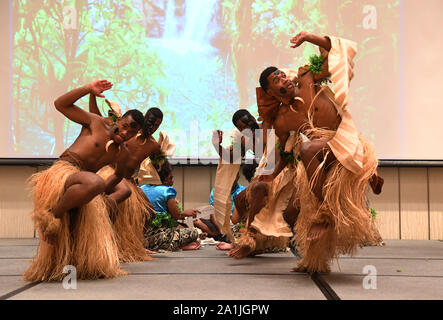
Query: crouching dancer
x=70 y=209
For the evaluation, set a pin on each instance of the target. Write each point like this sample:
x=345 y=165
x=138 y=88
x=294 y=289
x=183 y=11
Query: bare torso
x=90 y=145
x=139 y=150
x=323 y=111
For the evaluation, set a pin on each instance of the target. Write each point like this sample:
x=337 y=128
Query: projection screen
x=199 y=61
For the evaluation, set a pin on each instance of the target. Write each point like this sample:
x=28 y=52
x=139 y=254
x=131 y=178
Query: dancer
x=333 y=163
x=264 y=141
x=229 y=164
x=132 y=207
x=69 y=211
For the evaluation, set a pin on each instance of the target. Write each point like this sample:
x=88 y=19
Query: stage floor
x=405 y=269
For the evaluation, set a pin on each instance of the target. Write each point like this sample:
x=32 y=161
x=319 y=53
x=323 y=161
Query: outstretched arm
x=65 y=103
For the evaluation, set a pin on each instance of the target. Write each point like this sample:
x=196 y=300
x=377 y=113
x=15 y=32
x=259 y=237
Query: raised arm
x=65 y=103
x=217 y=139
x=303 y=36
x=93 y=108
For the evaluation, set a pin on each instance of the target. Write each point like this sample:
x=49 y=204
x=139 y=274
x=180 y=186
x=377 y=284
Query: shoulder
x=169 y=192
x=96 y=118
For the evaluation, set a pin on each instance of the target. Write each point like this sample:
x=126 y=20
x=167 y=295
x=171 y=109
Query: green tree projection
x=262 y=29
x=102 y=44
x=197 y=61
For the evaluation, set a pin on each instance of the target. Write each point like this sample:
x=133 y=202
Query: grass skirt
x=132 y=215
x=343 y=209
x=84 y=237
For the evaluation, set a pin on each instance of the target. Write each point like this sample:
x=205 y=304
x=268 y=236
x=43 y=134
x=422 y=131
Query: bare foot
x=376 y=182
x=224 y=246
x=192 y=246
x=150 y=251
x=44 y=238
x=239 y=252
x=316 y=231
x=48 y=238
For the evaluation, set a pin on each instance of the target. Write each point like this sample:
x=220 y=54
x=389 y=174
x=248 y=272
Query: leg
x=259 y=193
x=376 y=182
x=192 y=246
x=313 y=154
x=290 y=214
x=240 y=208
x=205 y=228
x=80 y=188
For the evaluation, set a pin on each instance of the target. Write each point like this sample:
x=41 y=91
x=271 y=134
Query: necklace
x=138 y=135
x=109 y=143
x=291 y=105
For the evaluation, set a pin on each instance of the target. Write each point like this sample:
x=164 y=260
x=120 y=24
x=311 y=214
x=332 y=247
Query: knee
x=259 y=188
x=307 y=150
x=313 y=149
x=126 y=193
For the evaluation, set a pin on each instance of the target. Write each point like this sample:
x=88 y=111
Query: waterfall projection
x=197 y=60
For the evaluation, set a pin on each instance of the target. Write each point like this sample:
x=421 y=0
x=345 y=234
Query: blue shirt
x=159 y=195
x=234 y=193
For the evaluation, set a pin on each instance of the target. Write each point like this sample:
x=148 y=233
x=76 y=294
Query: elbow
x=57 y=104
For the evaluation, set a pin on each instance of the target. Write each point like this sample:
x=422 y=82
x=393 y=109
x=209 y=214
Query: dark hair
x=239 y=114
x=264 y=83
x=248 y=170
x=165 y=170
x=136 y=115
x=150 y=117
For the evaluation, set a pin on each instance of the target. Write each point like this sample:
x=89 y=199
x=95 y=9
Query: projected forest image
x=198 y=61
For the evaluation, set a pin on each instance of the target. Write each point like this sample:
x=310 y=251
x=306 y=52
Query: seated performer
x=331 y=164
x=133 y=208
x=69 y=210
x=211 y=226
x=164 y=232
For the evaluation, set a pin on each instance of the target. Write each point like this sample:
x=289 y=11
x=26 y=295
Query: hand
x=98 y=86
x=48 y=240
x=190 y=213
x=299 y=39
x=217 y=137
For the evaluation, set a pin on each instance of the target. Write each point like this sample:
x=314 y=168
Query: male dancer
x=336 y=163
x=69 y=211
x=255 y=241
x=134 y=209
